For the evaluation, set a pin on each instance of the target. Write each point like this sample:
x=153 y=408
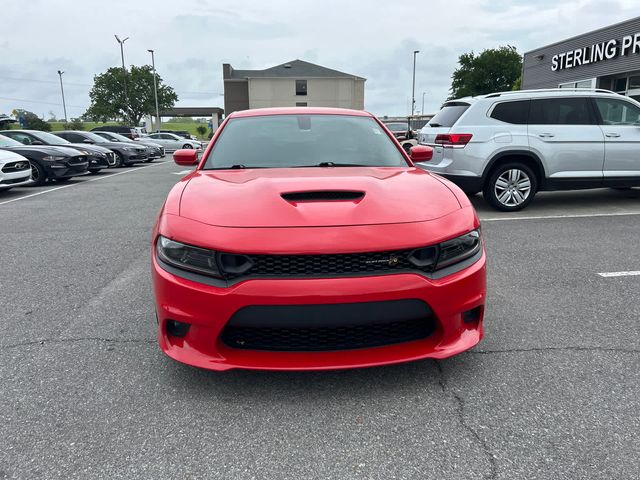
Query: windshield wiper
x=237 y=166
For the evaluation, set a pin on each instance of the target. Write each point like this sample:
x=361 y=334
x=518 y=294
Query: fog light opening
x=176 y=329
x=473 y=315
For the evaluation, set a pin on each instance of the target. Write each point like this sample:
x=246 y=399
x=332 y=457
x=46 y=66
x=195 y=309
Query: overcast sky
x=192 y=38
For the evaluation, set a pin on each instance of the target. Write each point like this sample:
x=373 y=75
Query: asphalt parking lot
x=552 y=392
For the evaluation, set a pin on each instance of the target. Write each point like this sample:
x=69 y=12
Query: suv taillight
x=453 y=139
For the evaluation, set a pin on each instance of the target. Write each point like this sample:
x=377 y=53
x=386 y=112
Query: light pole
x=64 y=105
x=155 y=89
x=124 y=70
x=413 y=88
x=423 y=102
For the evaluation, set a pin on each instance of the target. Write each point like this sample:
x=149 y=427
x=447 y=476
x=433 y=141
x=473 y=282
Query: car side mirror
x=421 y=153
x=86 y=140
x=186 y=158
x=36 y=142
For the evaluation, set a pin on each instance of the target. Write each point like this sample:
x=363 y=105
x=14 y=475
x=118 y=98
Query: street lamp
x=423 y=102
x=64 y=105
x=155 y=89
x=124 y=70
x=413 y=88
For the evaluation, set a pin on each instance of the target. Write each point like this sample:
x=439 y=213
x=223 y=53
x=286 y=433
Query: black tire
x=62 y=180
x=148 y=160
x=187 y=146
x=94 y=171
x=507 y=194
x=119 y=160
x=37 y=175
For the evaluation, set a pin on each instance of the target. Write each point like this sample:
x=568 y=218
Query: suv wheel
x=510 y=187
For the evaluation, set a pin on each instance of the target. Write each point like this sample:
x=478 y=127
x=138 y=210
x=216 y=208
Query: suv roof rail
x=598 y=90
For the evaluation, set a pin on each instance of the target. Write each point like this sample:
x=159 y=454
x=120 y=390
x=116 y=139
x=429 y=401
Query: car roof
x=258 y=112
x=536 y=93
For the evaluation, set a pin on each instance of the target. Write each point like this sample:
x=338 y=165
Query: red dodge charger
x=307 y=239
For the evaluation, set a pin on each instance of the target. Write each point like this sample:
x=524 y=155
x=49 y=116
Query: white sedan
x=15 y=170
x=171 y=141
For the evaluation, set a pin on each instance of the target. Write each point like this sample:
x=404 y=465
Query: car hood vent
x=323 y=195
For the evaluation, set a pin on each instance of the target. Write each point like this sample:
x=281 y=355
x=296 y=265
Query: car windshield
x=395 y=127
x=116 y=137
x=9 y=142
x=284 y=141
x=94 y=137
x=49 y=138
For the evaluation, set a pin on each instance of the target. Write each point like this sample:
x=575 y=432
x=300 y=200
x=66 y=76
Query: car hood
x=254 y=197
x=47 y=150
x=90 y=147
x=119 y=145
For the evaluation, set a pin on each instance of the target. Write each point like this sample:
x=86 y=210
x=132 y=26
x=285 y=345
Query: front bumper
x=208 y=309
x=98 y=162
x=134 y=157
x=68 y=168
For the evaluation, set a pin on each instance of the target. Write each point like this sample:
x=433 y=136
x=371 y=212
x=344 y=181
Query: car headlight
x=448 y=253
x=52 y=158
x=187 y=257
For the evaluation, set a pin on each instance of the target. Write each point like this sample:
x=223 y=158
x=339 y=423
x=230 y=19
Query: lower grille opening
x=329 y=327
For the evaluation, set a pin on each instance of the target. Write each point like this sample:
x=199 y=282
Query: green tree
x=202 y=130
x=74 y=124
x=493 y=70
x=31 y=121
x=518 y=83
x=108 y=99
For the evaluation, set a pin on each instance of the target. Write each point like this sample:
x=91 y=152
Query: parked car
x=98 y=157
x=180 y=133
x=48 y=162
x=15 y=170
x=308 y=240
x=153 y=149
x=130 y=132
x=403 y=134
x=511 y=145
x=171 y=141
x=126 y=153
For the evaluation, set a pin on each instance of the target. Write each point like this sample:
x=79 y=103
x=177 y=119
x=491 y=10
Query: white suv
x=511 y=145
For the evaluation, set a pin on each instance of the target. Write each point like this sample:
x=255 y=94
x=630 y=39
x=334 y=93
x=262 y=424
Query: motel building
x=607 y=58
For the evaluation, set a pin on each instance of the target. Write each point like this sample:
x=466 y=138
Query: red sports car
x=307 y=239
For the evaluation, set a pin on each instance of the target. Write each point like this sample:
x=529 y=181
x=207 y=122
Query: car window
x=49 y=138
x=449 y=114
x=20 y=137
x=618 y=112
x=9 y=142
x=516 y=112
x=282 y=141
x=561 y=111
x=397 y=126
x=74 y=137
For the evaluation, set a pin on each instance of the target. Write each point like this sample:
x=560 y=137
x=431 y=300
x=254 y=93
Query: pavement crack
x=556 y=349
x=493 y=467
x=45 y=341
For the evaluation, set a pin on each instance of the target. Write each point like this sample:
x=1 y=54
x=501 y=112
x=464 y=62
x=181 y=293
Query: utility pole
x=64 y=105
x=124 y=70
x=155 y=89
x=423 y=102
x=413 y=88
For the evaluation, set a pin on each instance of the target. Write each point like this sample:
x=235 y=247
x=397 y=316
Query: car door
x=159 y=138
x=620 y=124
x=563 y=132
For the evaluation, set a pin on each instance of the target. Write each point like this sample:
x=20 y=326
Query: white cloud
x=192 y=39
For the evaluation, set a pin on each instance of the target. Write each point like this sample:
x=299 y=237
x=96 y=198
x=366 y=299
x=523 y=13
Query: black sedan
x=98 y=157
x=126 y=153
x=48 y=162
x=153 y=149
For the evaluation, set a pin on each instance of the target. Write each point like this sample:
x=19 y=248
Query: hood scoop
x=323 y=196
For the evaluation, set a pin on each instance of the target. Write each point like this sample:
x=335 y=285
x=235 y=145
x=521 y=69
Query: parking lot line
x=85 y=181
x=547 y=217
x=620 y=274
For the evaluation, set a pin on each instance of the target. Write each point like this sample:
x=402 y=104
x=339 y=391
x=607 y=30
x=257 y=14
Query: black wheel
x=510 y=187
x=148 y=160
x=94 y=171
x=187 y=146
x=37 y=174
x=119 y=160
x=62 y=180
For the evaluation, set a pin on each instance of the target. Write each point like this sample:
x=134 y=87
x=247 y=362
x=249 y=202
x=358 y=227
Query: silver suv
x=511 y=145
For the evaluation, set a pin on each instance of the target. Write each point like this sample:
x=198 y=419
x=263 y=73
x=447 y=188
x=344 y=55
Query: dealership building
x=607 y=58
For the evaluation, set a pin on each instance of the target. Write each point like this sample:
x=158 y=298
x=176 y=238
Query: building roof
x=295 y=68
x=257 y=112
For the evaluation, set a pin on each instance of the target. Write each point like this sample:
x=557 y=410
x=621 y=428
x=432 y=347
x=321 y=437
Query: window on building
x=301 y=104
x=561 y=111
x=634 y=82
x=301 y=87
x=618 y=112
x=512 y=112
x=620 y=85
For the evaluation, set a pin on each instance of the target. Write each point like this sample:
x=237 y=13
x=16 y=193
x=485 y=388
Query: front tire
x=62 y=180
x=119 y=161
x=187 y=146
x=94 y=171
x=37 y=175
x=510 y=187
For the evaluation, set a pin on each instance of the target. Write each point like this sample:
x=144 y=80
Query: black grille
x=77 y=160
x=329 y=327
x=322 y=195
x=328 y=264
x=16 y=166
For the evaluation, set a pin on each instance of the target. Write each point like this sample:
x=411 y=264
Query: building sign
x=630 y=44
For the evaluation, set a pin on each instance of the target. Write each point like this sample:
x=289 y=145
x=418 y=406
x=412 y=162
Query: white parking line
x=547 y=217
x=620 y=274
x=85 y=181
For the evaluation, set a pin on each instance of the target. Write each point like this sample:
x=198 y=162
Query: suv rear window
x=512 y=112
x=561 y=111
x=449 y=114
